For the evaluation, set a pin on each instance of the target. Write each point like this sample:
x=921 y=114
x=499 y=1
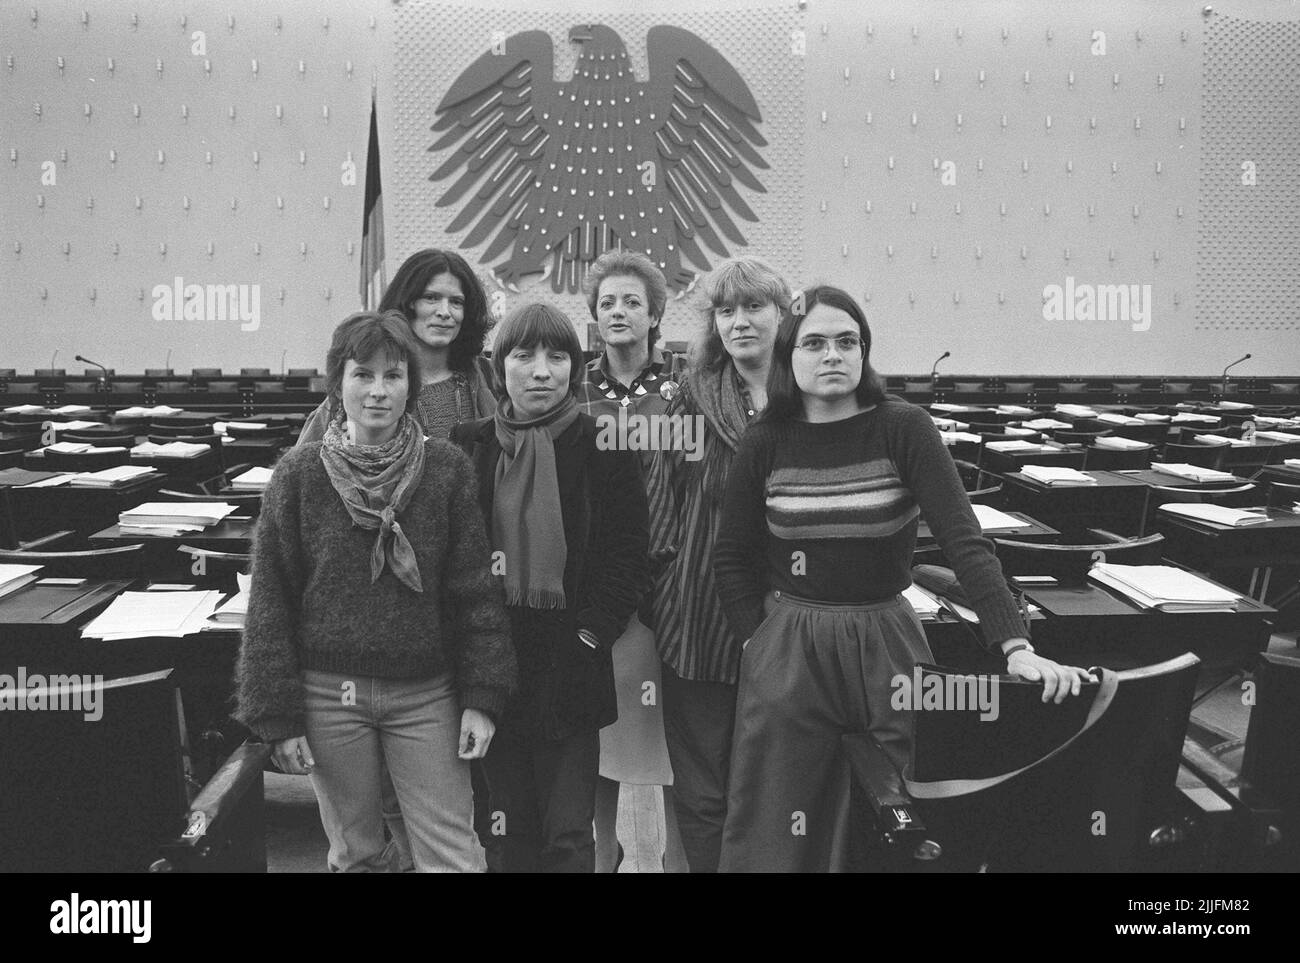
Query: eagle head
x=597 y=39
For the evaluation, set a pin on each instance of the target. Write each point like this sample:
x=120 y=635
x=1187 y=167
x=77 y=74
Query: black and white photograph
x=571 y=436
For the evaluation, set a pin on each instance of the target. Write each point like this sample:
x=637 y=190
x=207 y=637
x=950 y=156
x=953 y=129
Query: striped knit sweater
x=829 y=511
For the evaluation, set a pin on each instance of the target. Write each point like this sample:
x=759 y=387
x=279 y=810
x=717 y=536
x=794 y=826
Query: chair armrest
x=896 y=814
x=48 y=542
x=215 y=811
x=1100 y=535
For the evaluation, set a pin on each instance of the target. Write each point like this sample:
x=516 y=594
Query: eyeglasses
x=816 y=344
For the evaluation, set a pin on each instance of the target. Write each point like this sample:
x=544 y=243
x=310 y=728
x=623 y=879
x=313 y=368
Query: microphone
x=103 y=380
x=283 y=354
x=1223 y=389
x=167 y=362
x=934 y=371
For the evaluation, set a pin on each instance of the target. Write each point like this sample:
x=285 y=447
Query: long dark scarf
x=716 y=394
x=376 y=483
x=527 y=522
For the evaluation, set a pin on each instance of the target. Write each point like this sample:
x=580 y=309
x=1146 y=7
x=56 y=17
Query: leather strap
x=947 y=788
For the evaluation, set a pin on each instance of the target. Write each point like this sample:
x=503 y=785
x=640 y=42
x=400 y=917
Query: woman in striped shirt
x=815 y=547
x=723 y=390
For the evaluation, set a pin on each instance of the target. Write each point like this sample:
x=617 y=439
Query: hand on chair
x=1058 y=680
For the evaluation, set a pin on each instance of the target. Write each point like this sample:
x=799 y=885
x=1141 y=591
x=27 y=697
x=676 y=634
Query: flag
x=373 y=279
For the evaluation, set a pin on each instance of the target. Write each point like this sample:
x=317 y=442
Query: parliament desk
x=1032 y=531
x=1245 y=459
x=1228 y=550
x=40 y=632
x=1115 y=503
x=180 y=419
x=1090 y=625
x=163 y=559
x=193 y=468
x=1287 y=474
x=83 y=509
x=1005 y=462
x=260 y=452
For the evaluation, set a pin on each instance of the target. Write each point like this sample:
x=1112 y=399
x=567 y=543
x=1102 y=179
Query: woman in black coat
x=569 y=532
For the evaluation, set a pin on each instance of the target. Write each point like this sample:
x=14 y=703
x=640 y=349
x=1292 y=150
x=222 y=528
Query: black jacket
x=565 y=687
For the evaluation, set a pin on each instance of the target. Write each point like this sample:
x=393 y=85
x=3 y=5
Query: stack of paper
x=110 y=477
x=58 y=426
x=14 y=577
x=923 y=603
x=1010 y=430
x=1165 y=588
x=27 y=410
x=1220 y=440
x=1277 y=436
x=1039 y=424
x=952 y=437
x=73 y=410
x=137 y=615
x=1112 y=418
x=1014 y=410
x=1236 y=406
x=1056 y=477
x=157 y=411
x=1151 y=416
x=950 y=408
x=234 y=611
x=253 y=480
x=1218 y=514
x=992 y=520
x=1119 y=444
x=1013 y=445
x=172 y=518
x=1192 y=472
x=1187 y=417
x=1273 y=422
x=1291 y=462
x=1077 y=411
x=71 y=447
x=241 y=427
x=172 y=449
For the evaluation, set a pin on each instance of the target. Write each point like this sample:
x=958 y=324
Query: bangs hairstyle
x=365 y=334
x=536 y=323
x=614 y=264
x=734 y=282
x=409 y=284
x=784 y=399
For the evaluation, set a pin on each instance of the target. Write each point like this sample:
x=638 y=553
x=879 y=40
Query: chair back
x=1115 y=459
x=1281 y=494
x=1202 y=456
x=91 y=460
x=991 y=496
x=1125 y=766
x=1068 y=437
x=1069 y=564
x=99 y=439
x=124 y=561
x=100 y=787
x=1230 y=496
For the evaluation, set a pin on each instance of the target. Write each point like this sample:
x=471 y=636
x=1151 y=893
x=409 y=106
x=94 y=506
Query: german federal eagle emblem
x=553 y=174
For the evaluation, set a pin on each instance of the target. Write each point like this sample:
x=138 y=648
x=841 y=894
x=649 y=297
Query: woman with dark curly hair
x=446 y=307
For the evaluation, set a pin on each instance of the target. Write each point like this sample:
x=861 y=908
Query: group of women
x=451 y=572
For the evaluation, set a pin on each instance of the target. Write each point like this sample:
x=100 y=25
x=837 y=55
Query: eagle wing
x=498 y=114
x=706 y=139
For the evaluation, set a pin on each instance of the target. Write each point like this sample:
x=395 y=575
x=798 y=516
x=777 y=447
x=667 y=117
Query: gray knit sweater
x=313 y=606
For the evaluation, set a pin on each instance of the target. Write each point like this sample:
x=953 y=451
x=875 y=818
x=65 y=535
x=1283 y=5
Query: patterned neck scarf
x=376 y=483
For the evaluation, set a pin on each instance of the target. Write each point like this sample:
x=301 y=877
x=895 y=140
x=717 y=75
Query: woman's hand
x=1058 y=680
x=293 y=756
x=476 y=731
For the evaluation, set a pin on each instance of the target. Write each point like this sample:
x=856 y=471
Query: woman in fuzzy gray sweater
x=374 y=629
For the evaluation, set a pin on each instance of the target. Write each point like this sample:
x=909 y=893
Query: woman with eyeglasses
x=817 y=535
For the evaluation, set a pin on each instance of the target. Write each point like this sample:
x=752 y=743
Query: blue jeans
x=355 y=723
